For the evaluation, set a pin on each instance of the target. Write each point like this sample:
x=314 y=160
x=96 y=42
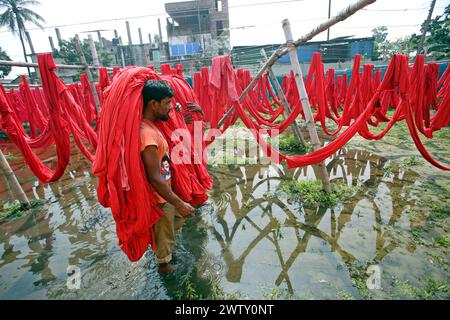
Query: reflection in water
x=249 y=235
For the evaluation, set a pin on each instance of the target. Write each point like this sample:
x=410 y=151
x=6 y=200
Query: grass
x=443 y=241
x=289 y=143
x=14 y=210
x=310 y=193
x=433 y=289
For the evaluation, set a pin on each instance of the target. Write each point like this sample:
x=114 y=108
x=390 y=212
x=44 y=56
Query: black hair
x=156 y=90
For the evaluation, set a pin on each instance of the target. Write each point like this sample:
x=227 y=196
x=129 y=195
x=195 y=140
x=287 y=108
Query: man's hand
x=178 y=107
x=193 y=107
x=185 y=209
x=188 y=118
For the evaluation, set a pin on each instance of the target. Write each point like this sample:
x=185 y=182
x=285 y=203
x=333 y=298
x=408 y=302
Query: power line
x=152 y=15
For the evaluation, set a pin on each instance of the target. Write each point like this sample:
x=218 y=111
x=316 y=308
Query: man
x=157 y=96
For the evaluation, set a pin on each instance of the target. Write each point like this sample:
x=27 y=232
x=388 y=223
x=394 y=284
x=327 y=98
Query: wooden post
x=95 y=58
x=329 y=16
x=287 y=107
x=33 y=54
x=130 y=44
x=122 y=54
x=52 y=45
x=100 y=39
x=144 y=52
x=13 y=182
x=305 y=101
x=88 y=72
x=150 y=39
x=58 y=36
x=141 y=40
x=160 y=34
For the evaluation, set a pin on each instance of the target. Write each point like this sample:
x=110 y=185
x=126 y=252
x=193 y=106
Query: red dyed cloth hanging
x=123 y=184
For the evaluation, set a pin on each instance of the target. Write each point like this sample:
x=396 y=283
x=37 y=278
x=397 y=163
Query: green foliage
x=68 y=52
x=16 y=15
x=289 y=143
x=344 y=295
x=310 y=193
x=187 y=290
x=14 y=210
x=433 y=290
x=437 y=41
x=4 y=70
x=443 y=241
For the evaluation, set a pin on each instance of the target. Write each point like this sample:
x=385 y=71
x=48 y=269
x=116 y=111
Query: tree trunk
x=24 y=50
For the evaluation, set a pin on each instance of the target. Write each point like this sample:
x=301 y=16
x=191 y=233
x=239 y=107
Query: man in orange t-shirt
x=157 y=96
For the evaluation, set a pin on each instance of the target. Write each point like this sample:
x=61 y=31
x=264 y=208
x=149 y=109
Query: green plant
x=310 y=193
x=14 y=210
x=290 y=143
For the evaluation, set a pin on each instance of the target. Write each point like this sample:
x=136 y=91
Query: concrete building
x=198 y=27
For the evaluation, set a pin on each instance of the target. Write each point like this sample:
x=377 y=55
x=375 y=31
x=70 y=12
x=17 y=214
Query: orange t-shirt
x=151 y=136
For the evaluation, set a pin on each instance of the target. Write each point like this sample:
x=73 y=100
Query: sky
x=252 y=22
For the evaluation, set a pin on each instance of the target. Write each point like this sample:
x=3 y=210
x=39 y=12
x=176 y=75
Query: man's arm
x=153 y=171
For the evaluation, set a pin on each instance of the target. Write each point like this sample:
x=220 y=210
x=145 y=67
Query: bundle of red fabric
x=123 y=184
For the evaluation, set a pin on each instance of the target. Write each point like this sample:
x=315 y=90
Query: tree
x=380 y=34
x=68 y=52
x=4 y=70
x=437 y=40
x=16 y=15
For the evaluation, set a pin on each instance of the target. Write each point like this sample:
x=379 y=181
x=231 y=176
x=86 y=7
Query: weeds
x=310 y=193
x=290 y=143
x=14 y=210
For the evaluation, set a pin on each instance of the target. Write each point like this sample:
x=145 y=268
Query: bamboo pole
x=305 y=101
x=94 y=53
x=13 y=182
x=88 y=71
x=287 y=107
x=341 y=16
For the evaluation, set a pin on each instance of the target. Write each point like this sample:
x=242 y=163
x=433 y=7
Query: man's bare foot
x=166 y=268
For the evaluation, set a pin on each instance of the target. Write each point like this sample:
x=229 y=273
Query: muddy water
x=247 y=242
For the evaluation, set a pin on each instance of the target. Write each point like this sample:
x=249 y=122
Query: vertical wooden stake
x=305 y=101
x=287 y=107
x=13 y=182
x=88 y=72
x=94 y=53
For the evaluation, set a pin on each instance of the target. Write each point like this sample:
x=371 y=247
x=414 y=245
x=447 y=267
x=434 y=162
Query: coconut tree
x=14 y=17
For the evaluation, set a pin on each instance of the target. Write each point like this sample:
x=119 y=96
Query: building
x=198 y=28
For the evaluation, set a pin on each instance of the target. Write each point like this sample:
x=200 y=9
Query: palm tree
x=16 y=15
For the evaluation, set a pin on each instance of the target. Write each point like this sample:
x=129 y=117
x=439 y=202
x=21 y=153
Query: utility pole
x=329 y=16
x=425 y=27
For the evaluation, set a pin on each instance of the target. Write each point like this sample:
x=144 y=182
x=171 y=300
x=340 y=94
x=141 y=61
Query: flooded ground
x=249 y=241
